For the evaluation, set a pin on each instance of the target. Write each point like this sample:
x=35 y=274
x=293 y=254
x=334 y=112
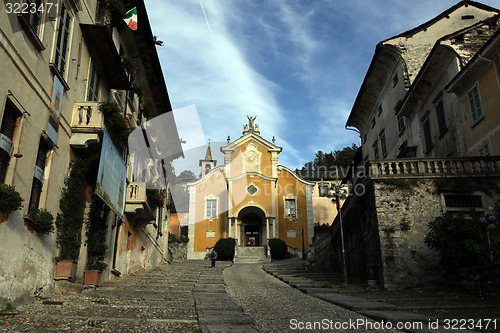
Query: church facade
x=250 y=198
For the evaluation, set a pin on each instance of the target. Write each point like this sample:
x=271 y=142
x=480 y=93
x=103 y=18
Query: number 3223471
x=30 y=8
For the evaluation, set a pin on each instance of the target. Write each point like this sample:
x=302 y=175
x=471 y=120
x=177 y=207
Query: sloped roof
x=444 y=14
x=468 y=41
x=387 y=54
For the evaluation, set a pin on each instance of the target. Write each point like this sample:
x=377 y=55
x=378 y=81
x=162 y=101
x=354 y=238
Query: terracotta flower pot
x=91 y=278
x=66 y=270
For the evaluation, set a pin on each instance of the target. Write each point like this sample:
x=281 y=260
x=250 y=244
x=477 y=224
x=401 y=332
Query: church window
x=211 y=208
x=207 y=168
x=251 y=189
x=290 y=208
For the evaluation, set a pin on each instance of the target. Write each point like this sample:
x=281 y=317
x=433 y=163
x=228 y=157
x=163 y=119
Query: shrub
x=72 y=203
x=43 y=219
x=183 y=239
x=116 y=125
x=461 y=240
x=156 y=198
x=225 y=248
x=278 y=248
x=96 y=230
x=321 y=228
x=10 y=199
x=172 y=238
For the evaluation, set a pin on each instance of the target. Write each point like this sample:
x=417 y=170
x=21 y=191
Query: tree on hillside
x=341 y=158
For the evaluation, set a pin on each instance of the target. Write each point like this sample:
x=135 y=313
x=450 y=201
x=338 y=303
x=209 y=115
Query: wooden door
x=252 y=235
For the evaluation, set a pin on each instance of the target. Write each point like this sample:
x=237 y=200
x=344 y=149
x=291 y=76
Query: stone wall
x=177 y=251
x=362 y=244
x=404 y=209
x=386 y=227
x=26 y=261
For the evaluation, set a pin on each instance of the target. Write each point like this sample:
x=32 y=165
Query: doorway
x=252 y=235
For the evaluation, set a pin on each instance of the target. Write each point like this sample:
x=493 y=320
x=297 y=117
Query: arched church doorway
x=252 y=221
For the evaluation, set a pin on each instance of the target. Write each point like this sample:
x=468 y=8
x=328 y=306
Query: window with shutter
x=62 y=40
x=33 y=15
x=475 y=104
x=36 y=188
x=7 y=129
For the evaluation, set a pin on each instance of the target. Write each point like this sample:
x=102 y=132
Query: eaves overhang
x=381 y=67
x=100 y=43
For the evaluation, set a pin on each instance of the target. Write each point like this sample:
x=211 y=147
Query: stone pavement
x=277 y=307
x=186 y=296
x=190 y=296
x=409 y=308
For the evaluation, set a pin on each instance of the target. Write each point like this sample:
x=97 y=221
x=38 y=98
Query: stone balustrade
x=87 y=117
x=136 y=203
x=435 y=167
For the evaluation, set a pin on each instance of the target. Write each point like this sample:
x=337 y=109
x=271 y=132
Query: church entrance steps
x=293 y=272
x=251 y=255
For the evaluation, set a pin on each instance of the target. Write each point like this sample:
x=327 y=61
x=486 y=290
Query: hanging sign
x=112 y=177
x=6 y=144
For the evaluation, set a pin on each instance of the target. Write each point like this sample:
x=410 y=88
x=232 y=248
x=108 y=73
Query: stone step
x=251 y=260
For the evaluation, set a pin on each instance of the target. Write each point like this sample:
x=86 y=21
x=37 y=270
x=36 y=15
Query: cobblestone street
x=161 y=300
x=190 y=296
x=278 y=307
x=186 y=296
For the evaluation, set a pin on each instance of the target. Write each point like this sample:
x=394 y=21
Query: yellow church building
x=250 y=198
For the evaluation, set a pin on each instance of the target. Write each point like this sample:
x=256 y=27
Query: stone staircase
x=251 y=255
x=297 y=274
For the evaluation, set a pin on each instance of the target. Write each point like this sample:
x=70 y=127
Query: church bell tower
x=208 y=163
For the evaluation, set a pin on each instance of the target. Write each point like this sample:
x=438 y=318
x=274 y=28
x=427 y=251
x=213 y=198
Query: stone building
x=417 y=112
x=250 y=198
x=60 y=64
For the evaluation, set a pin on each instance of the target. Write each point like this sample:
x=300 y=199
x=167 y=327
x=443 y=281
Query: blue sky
x=296 y=65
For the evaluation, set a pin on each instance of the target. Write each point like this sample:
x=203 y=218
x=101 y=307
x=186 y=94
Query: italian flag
x=131 y=18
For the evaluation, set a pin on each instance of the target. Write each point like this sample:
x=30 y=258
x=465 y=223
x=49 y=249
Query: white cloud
x=296 y=65
x=207 y=69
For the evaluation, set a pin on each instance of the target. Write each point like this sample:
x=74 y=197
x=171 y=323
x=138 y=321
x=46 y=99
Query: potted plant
x=129 y=65
x=10 y=201
x=156 y=198
x=96 y=229
x=69 y=221
x=41 y=220
x=116 y=125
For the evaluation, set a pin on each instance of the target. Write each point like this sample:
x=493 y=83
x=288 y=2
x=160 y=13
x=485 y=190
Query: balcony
x=136 y=204
x=405 y=168
x=86 y=124
x=435 y=167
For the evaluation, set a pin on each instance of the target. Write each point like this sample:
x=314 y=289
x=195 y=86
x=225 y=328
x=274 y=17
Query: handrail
x=292 y=250
x=408 y=167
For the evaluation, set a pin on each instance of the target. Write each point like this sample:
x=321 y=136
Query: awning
x=100 y=43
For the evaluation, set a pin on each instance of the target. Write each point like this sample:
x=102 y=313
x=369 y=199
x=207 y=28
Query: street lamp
x=327 y=190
